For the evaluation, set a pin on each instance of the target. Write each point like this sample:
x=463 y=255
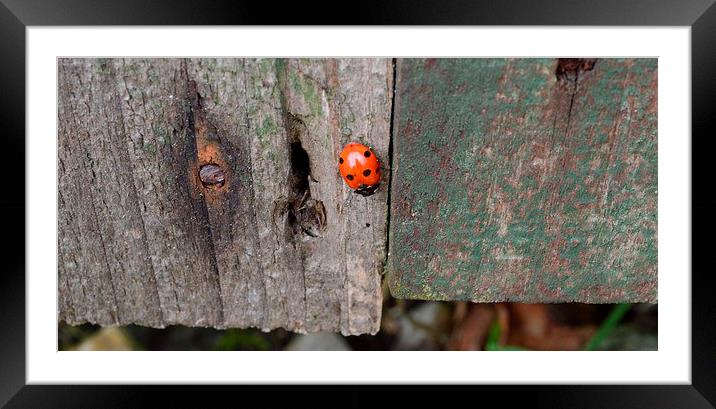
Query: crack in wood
x=389 y=172
x=570 y=69
x=208 y=152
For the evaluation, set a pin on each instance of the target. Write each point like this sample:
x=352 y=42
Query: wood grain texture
x=205 y=192
x=513 y=183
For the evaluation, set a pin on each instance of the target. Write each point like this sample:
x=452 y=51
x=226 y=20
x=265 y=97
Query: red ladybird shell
x=360 y=168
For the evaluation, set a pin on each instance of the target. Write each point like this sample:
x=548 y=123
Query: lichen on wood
x=529 y=180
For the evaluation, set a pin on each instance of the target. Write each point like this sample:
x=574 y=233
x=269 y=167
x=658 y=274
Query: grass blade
x=607 y=326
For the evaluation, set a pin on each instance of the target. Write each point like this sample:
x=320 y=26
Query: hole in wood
x=571 y=68
x=212 y=175
x=306 y=216
x=300 y=169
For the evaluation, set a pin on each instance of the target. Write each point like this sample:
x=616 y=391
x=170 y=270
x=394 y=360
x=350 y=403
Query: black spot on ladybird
x=350 y=177
x=340 y=161
x=366 y=154
x=366 y=172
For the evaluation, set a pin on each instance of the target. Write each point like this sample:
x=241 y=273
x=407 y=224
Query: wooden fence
x=205 y=192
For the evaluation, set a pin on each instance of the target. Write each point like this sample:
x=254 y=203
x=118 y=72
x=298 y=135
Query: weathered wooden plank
x=524 y=180
x=205 y=192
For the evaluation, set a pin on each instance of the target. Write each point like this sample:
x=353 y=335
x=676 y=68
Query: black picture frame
x=15 y=15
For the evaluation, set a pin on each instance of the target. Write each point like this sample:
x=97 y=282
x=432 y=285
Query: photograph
x=236 y=197
x=357 y=203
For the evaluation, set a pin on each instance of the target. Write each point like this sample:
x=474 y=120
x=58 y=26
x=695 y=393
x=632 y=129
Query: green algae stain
x=268 y=127
x=307 y=89
x=313 y=99
x=162 y=135
x=150 y=146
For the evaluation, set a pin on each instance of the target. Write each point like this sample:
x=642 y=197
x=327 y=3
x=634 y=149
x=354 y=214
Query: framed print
x=185 y=168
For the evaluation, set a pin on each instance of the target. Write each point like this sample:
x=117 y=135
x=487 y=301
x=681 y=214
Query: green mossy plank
x=511 y=184
x=147 y=236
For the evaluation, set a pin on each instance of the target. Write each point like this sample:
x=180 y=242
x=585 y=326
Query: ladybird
x=360 y=168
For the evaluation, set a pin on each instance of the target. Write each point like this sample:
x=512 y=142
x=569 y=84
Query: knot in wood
x=212 y=175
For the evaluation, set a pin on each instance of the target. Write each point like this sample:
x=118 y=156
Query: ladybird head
x=367 y=190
